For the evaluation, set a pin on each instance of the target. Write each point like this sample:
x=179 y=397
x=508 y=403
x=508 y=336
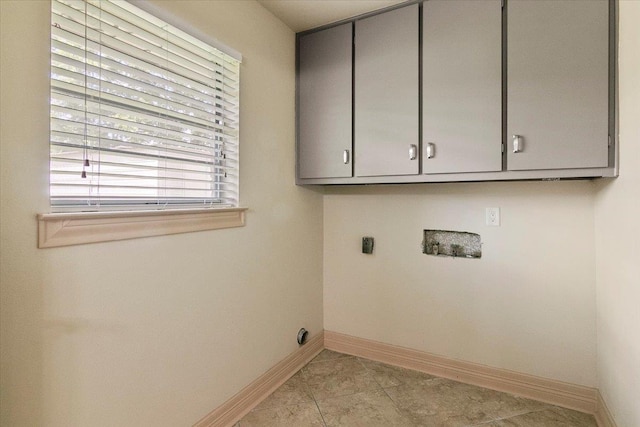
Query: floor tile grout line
x=393 y=402
x=374 y=378
x=345 y=356
x=313 y=396
x=532 y=411
x=369 y=372
x=320 y=412
x=366 y=390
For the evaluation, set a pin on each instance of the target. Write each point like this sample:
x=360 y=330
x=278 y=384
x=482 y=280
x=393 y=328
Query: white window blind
x=143 y=115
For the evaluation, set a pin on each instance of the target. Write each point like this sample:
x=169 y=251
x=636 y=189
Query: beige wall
x=155 y=331
x=618 y=243
x=527 y=305
x=160 y=331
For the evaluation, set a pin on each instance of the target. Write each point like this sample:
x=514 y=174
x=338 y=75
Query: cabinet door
x=386 y=93
x=462 y=86
x=557 y=80
x=325 y=103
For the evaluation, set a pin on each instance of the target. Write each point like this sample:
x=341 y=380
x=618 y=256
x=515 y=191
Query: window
x=143 y=115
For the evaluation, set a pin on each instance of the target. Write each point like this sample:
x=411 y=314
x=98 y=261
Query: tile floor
x=339 y=390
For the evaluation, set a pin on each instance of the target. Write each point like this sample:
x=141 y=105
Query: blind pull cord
x=85 y=164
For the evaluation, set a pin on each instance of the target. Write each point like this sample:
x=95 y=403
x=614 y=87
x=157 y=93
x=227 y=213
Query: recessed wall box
x=457 y=244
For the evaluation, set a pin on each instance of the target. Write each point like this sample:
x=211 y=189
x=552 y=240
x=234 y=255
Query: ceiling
x=300 y=15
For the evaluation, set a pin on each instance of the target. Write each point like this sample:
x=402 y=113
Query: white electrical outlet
x=493 y=216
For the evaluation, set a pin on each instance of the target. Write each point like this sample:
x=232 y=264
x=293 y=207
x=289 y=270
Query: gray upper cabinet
x=387 y=93
x=462 y=86
x=325 y=103
x=460 y=90
x=557 y=84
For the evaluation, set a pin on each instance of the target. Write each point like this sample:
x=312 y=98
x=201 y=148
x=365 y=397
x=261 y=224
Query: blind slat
x=64 y=164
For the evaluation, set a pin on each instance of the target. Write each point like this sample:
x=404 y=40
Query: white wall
x=162 y=330
x=618 y=242
x=527 y=305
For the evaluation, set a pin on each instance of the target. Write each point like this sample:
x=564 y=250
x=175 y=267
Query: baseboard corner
x=227 y=414
x=603 y=415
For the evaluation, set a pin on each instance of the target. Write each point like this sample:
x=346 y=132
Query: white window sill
x=65 y=229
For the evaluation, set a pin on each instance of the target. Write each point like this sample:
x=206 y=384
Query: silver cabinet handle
x=517 y=143
x=431 y=150
x=345 y=157
x=413 y=152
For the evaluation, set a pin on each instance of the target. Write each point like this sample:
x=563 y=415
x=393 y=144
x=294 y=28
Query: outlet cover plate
x=493 y=217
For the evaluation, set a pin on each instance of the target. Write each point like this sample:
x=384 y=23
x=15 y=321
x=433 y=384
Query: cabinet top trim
x=359 y=17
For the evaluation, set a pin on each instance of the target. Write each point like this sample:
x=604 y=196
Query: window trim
x=76 y=228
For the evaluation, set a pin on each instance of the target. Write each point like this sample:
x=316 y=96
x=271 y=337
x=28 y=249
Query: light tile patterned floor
x=340 y=390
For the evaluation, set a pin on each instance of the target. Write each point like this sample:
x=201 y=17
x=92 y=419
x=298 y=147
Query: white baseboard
x=603 y=416
x=558 y=393
x=246 y=399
